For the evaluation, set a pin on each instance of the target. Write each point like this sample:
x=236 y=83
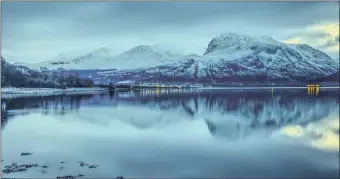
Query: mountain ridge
x=229 y=57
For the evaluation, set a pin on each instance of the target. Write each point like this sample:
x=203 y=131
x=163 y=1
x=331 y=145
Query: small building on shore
x=127 y=84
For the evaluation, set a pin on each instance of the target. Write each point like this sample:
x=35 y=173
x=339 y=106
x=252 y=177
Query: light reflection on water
x=163 y=133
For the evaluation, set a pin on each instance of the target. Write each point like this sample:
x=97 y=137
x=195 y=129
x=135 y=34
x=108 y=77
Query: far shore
x=8 y=92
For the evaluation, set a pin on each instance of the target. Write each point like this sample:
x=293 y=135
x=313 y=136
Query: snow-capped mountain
x=263 y=56
x=75 y=60
x=141 y=56
x=78 y=56
x=229 y=57
x=234 y=57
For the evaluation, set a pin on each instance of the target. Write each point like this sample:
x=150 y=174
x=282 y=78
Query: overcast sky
x=38 y=31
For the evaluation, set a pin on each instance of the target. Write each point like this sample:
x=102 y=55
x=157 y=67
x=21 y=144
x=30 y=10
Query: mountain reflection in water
x=176 y=115
x=265 y=108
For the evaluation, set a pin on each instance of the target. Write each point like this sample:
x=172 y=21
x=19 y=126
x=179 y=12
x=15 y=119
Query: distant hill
x=22 y=76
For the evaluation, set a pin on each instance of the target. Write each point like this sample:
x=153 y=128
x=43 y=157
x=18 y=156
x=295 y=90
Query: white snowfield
x=28 y=92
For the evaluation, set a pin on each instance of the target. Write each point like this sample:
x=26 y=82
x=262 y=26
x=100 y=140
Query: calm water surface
x=172 y=133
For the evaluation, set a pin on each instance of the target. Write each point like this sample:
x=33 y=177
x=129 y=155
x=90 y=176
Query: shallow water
x=175 y=133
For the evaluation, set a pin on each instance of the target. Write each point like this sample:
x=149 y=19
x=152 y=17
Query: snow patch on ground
x=21 y=92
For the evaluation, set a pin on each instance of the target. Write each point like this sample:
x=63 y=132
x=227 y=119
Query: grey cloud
x=278 y=13
x=308 y=36
x=317 y=35
x=329 y=43
x=66 y=25
x=148 y=14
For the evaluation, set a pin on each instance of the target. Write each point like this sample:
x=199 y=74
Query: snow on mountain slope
x=229 y=57
x=235 y=57
x=171 y=50
x=76 y=60
x=141 y=56
x=270 y=54
x=69 y=56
